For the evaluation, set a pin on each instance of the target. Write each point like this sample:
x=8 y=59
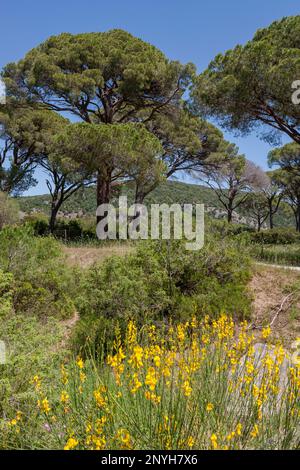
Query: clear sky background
x=186 y=30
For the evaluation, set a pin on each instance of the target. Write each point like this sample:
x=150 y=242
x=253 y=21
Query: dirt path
x=85 y=257
x=276 y=294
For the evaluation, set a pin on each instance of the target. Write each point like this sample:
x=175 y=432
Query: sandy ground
x=276 y=293
x=85 y=257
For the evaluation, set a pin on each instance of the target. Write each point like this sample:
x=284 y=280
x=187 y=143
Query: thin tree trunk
x=103 y=190
x=259 y=225
x=271 y=220
x=229 y=212
x=298 y=217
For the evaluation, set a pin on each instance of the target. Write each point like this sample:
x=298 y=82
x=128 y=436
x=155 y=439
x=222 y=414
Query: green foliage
x=214 y=278
x=117 y=290
x=26 y=135
x=223 y=229
x=277 y=246
x=77 y=71
x=29 y=350
x=5 y=293
x=286 y=157
x=39 y=224
x=67 y=230
x=288 y=255
x=189 y=142
x=162 y=282
x=127 y=149
x=9 y=211
x=276 y=237
x=42 y=283
x=250 y=85
x=287 y=176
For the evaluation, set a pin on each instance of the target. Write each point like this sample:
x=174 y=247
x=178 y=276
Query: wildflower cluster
x=197 y=385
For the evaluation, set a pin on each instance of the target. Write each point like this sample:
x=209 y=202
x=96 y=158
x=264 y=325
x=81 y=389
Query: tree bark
x=54 y=211
x=229 y=211
x=271 y=213
x=259 y=223
x=103 y=189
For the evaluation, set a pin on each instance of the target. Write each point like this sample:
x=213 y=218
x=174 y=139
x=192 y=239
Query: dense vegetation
x=36 y=294
x=158 y=283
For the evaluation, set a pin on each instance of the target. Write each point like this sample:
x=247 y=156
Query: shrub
x=214 y=278
x=29 y=349
x=118 y=290
x=225 y=229
x=162 y=282
x=39 y=224
x=9 y=211
x=43 y=285
x=67 y=230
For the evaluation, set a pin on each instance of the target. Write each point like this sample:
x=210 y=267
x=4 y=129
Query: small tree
x=289 y=183
x=257 y=206
x=62 y=183
x=273 y=196
x=232 y=179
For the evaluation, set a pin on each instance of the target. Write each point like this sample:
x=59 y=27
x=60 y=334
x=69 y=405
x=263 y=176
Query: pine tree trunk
x=103 y=190
x=54 y=211
x=230 y=211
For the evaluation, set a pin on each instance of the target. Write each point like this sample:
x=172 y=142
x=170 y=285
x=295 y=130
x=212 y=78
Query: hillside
x=83 y=203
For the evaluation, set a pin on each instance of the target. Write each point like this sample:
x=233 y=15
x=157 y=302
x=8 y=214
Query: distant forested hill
x=83 y=202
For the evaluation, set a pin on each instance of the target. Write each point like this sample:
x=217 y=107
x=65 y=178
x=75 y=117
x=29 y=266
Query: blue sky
x=190 y=30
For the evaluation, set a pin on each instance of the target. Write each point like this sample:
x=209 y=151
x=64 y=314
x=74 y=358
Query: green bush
x=162 y=282
x=31 y=348
x=220 y=227
x=133 y=287
x=68 y=230
x=43 y=285
x=9 y=210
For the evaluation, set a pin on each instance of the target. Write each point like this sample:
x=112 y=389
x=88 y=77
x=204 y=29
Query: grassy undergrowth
x=278 y=254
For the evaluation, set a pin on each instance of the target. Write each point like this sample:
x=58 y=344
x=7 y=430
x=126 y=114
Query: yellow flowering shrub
x=197 y=385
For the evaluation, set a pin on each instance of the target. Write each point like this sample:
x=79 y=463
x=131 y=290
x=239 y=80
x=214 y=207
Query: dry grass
x=84 y=257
